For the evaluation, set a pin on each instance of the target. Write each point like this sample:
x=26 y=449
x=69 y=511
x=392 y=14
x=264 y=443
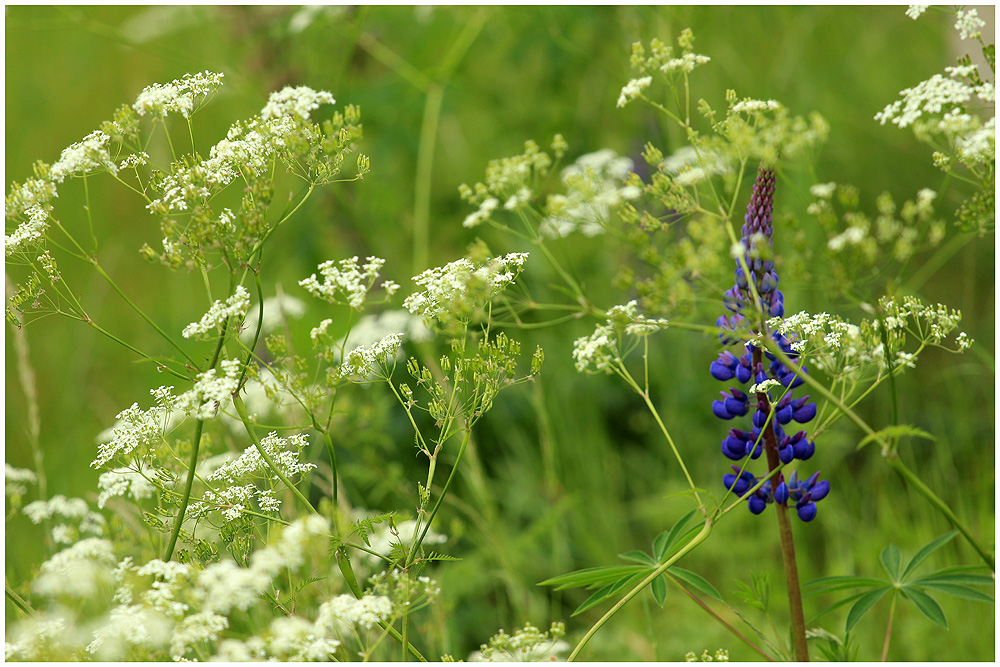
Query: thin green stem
x=192 y=464
x=888 y=627
x=695 y=541
x=241 y=410
x=723 y=622
x=437 y=505
x=143 y=315
x=424 y=176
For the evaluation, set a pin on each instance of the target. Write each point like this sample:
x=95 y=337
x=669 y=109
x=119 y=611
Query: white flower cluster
x=510 y=180
x=528 y=644
x=135 y=429
x=209 y=391
x=348 y=283
x=87 y=155
x=721 y=655
x=601 y=348
x=16 y=480
x=80 y=571
x=446 y=285
x=633 y=89
x=968 y=24
x=295 y=639
x=362 y=360
x=933 y=96
x=283 y=451
x=63 y=511
x=169 y=579
x=686 y=63
x=930 y=323
x=127 y=627
x=289 y=553
x=41 y=636
x=248 y=147
x=343 y=612
x=204 y=626
x=823 y=190
x=979 y=146
x=750 y=106
x=482 y=214
x=595 y=184
x=298 y=101
x=33 y=192
x=29 y=231
x=134 y=160
x=372 y=328
x=124 y=482
x=914 y=11
x=178 y=96
x=634 y=322
x=235 y=306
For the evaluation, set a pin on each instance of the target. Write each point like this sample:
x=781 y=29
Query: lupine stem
x=888 y=628
x=799 y=645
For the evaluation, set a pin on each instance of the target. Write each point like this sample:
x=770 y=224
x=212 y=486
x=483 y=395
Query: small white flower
x=914 y=11
x=178 y=96
x=299 y=101
x=235 y=306
x=823 y=190
x=347 y=283
x=968 y=24
x=85 y=156
x=633 y=89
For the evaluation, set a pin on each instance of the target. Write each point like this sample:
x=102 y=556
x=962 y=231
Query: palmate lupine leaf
x=956 y=581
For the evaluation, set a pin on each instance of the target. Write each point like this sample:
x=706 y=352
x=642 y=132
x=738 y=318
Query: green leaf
x=927 y=550
x=957 y=578
x=891 y=559
x=895 y=432
x=667 y=539
x=609 y=590
x=839 y=583
x=836 y=605
x=957 y=591
x=695 y=581
x=592 y=576
x=864 y=603
x=659 y=587
x=637 y=556
x=926 y=604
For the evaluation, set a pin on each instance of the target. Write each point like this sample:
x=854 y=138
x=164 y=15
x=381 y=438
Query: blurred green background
x=571 y=471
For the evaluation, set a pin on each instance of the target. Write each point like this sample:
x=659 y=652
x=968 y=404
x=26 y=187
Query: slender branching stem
x=702 y=535
x=723 y=622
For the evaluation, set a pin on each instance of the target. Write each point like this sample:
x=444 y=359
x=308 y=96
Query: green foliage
x=956 y=581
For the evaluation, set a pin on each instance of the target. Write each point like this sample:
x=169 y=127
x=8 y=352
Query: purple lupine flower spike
x=757 y=274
